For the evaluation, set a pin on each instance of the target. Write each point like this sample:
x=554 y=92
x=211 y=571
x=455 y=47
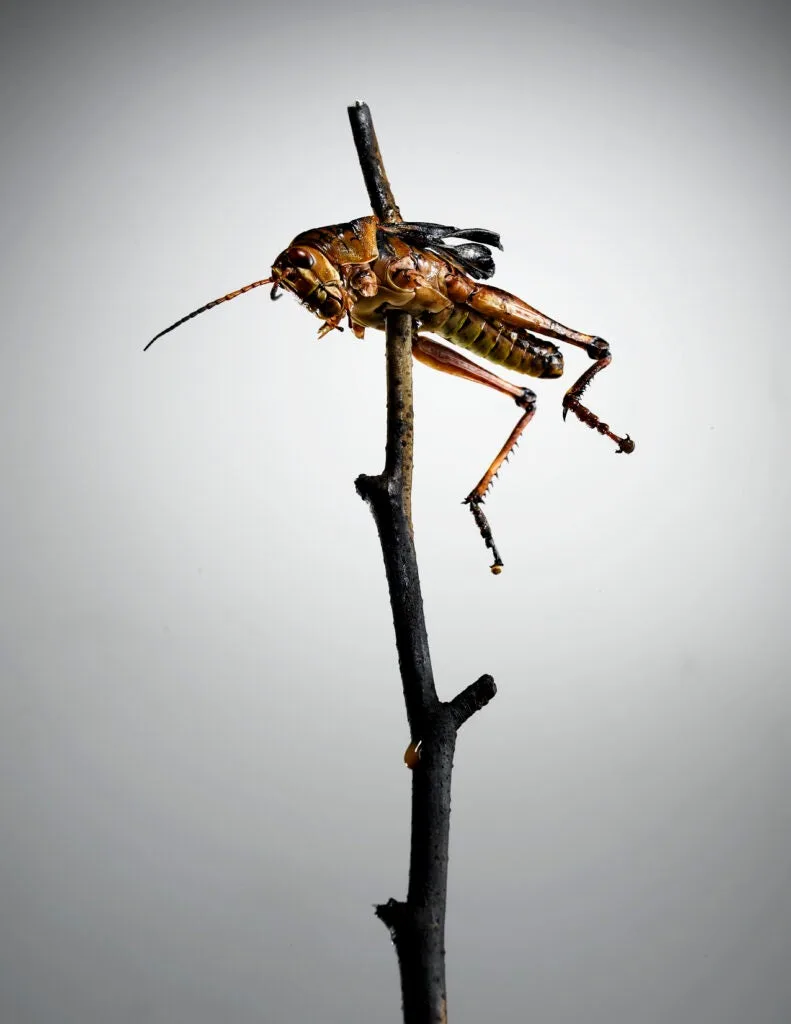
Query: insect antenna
x=209 y=305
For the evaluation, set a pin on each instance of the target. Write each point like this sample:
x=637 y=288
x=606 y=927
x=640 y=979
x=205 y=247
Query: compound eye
x=301 y=258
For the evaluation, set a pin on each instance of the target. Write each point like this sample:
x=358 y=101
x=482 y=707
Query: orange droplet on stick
x=412 y=754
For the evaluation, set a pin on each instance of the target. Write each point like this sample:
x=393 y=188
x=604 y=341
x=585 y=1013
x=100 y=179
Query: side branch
x=476 y=696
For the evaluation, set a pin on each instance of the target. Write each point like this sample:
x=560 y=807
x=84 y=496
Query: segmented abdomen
x=499 y=343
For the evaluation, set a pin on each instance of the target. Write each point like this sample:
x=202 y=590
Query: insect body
x=360 y=270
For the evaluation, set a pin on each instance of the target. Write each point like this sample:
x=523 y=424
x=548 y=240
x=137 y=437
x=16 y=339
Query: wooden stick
x=417 y=925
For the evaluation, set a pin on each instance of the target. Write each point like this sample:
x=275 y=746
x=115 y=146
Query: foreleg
x=441 y=357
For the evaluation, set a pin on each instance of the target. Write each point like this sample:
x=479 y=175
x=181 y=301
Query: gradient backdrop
x=201 y=723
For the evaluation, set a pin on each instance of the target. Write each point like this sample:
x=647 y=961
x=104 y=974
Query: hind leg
x=496 y=304
x=600 y=351
x=441 y=357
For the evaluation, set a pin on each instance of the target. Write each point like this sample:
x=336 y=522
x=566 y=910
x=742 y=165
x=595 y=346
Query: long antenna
x=209 y=305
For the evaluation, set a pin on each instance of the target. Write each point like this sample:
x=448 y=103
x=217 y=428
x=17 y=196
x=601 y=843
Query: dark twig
x=417 y=925
x=379 y=191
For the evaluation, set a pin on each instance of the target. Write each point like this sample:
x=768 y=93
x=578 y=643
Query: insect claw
x=329 y=326
x=625 y=446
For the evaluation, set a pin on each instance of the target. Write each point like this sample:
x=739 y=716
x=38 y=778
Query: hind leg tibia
x=441 y=357
x=600 y=351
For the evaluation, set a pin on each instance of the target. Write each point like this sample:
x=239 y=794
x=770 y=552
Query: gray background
x=202 y=725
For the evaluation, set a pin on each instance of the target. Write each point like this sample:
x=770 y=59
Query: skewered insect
x=359 y=270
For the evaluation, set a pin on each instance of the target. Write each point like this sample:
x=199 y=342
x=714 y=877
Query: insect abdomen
x=518 y=350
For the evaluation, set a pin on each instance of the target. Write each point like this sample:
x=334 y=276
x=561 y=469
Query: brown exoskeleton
x=362 y=269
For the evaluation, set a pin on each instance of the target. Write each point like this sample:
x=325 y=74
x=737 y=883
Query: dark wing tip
x=472 y=258
x=425 y=233
x=484 y=235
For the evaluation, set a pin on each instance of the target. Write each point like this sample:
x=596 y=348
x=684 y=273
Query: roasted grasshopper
x=359 y=270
